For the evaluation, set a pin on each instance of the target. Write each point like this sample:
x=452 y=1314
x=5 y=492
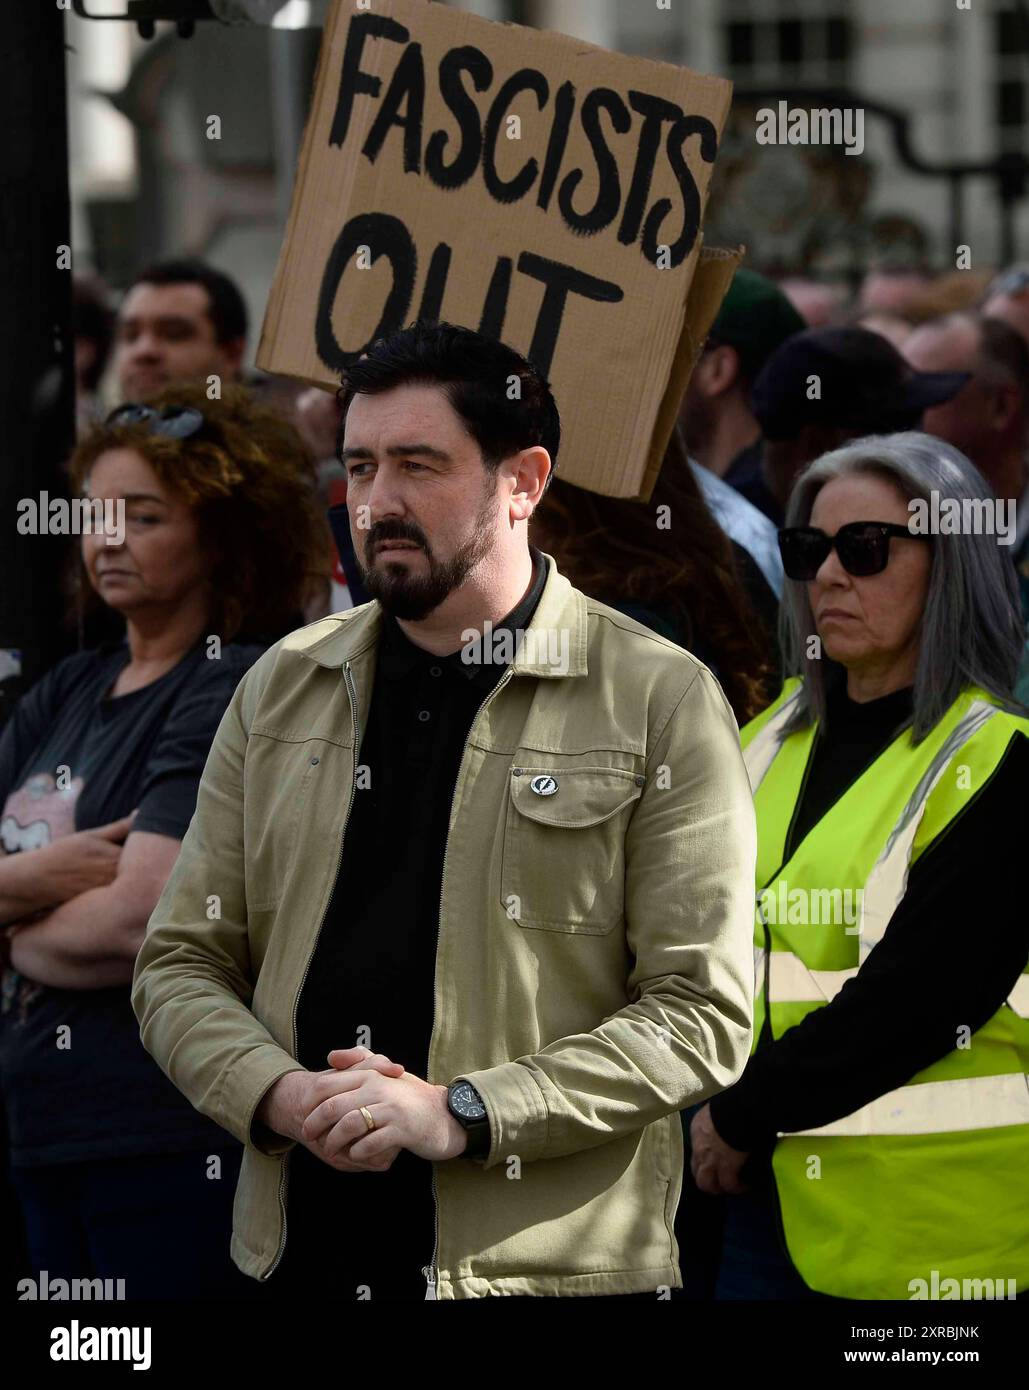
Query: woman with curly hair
x=118 y=1177
x=669 y=565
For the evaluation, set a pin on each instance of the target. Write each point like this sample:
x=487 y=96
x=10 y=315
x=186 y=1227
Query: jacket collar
x=561 y=609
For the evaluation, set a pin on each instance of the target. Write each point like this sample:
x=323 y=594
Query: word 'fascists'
x=403 y=105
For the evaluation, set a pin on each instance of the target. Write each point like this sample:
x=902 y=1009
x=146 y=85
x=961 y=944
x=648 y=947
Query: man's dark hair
x=475 y=373
x=225 y=306
x=92 y=318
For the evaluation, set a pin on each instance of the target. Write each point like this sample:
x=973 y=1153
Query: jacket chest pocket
x=564 y=847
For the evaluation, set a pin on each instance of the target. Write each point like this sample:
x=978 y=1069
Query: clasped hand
x=715 y=1165
x=409 y=1113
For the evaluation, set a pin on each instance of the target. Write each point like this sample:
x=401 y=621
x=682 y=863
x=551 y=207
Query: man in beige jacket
x=463 y=919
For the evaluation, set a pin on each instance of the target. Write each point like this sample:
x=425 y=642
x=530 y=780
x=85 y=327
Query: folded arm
x=90 y=941
x=26 y=887
x=34 y=880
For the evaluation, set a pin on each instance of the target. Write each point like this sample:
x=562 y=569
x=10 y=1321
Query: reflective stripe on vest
x=937 y=1107
x=764 y=746
x=1018 y=999
x=791 y=981
x=888 y=880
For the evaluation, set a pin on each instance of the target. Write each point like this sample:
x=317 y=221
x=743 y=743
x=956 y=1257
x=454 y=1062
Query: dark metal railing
x=1009 y=172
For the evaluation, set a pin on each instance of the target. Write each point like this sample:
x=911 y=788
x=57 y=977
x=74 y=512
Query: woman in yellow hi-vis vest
x=877 y=1144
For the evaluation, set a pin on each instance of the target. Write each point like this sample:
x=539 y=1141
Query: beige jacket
x=594 y=971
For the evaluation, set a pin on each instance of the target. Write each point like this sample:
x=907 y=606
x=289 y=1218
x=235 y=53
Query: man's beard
x=413 y=597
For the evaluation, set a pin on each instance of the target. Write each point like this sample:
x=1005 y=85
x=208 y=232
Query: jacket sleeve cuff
x=736 y=1123
x=244 y=1086
x=517 y=1112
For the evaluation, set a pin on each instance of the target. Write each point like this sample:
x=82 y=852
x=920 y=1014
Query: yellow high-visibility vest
x=933 y=1176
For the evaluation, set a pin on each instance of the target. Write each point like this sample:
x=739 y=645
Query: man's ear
x=234 y=351
x=531 y=470
x=722 y=369
x=1005 y=405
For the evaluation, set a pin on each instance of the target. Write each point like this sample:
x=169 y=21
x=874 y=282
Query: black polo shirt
x=372 y=977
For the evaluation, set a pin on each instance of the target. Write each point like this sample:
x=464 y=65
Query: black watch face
x=465 y=1102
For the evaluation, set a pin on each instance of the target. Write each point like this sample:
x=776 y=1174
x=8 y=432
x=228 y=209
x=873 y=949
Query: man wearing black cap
x=826 y=386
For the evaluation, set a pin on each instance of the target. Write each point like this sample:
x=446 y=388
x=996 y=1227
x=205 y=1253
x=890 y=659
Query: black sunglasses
x=863 y=547
x=174 y=421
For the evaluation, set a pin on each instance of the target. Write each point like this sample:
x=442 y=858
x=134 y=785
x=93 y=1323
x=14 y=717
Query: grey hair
x=972 y=630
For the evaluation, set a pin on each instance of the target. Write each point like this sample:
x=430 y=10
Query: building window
x=1011 y=94
x=794 y=41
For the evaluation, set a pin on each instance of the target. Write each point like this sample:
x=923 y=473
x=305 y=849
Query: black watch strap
x=480 y=1140
x=476 y=1126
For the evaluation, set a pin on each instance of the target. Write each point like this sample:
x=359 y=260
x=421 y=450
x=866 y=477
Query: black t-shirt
x=372 y=975
x=72 y=759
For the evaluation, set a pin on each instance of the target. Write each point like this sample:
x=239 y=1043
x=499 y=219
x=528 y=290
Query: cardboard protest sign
x=525 y=184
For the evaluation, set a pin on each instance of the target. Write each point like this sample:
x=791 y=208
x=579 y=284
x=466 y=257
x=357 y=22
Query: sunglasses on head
x=174 y=421
x=1011 y=282
x=863 y=547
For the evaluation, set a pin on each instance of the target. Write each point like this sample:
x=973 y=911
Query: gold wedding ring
x=368 y=1118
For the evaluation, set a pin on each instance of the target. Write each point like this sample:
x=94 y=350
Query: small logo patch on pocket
x=544 y=786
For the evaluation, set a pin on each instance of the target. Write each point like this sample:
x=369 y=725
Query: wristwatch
x=465 y=1104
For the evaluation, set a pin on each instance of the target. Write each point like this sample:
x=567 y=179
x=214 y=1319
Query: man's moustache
x=396 y=540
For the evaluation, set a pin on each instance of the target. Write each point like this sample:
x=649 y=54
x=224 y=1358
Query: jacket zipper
x=430 y=1272
x=284 y=1179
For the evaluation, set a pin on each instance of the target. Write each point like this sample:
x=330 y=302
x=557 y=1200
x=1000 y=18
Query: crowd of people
x=265 y=871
